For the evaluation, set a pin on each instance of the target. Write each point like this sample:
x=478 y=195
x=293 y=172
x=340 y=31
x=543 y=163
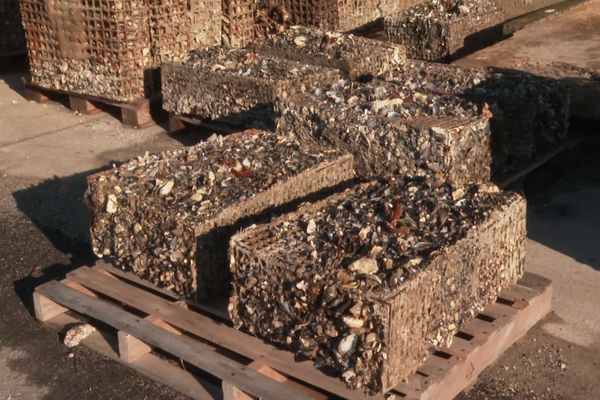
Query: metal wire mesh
x=178 y=26
x=11 y=30
x=239 y=22
x=110 y=48
x=338 y=15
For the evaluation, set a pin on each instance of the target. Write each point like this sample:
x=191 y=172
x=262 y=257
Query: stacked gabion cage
x=337 y=15
x=177 y=26
x=238 y=28
x=243 y=20
x=108 y=48
x=11 y=30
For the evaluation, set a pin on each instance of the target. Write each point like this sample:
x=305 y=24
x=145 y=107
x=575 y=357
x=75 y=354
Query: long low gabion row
x=168 y=217
x=367 y=283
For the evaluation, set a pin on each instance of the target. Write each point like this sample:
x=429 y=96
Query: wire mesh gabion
x=337 y=15
x=110 y=48
x=11 y=31
x=240 y=17
x=238 y=27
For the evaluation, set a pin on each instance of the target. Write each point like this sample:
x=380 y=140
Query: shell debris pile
x=529 y=114
x=168 y=217
x=437 y=29
x=239 y=86
x=391 y=129
x=355 y=56
x=368 y=282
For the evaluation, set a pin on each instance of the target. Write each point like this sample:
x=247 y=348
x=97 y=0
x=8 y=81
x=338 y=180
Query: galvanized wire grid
x=238 y=22
x=342 y=15
x=110 y=48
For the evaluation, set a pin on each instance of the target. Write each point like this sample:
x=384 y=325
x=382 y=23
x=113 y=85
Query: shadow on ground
x=564 y=200
x=56 y=207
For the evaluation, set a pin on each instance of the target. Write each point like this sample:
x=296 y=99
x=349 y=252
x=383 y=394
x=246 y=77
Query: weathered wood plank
x=220 y=366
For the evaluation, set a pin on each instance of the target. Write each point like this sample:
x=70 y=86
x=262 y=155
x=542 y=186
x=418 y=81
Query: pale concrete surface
x=570 y=228
x=45 y=154
x=572 y=37
x=46 y=140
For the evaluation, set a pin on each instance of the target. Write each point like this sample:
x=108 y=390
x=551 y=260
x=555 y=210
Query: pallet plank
x=150 y=365
x=109 y=269
x=209 y=329
x=248 y=380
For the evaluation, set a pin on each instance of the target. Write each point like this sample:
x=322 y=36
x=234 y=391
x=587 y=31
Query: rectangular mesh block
x=368 y=283
x=354 y=55
x=178 y=26
x=391 y=130
x=168 y=217
x=107 y=48
x=528 y=113
x=435 y=30
x=238 y=86
x=241 y=23
x=238 y=26
x=334 y=15
x=12 y=39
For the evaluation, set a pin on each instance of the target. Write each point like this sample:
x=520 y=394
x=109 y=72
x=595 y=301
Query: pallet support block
x=46 y=309
x=82 y=105
x=137 y=115
x=132 y=348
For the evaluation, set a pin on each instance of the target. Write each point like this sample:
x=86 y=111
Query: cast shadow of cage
x=564 y=199
x=57 y=209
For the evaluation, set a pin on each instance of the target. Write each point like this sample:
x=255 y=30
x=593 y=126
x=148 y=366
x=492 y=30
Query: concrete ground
x=46 y=151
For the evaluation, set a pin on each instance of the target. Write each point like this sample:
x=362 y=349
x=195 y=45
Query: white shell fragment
x=364 y=266
x=347 y=344
x=166 y=188
x=352 y=322
x=111 y=204
x=77 y=333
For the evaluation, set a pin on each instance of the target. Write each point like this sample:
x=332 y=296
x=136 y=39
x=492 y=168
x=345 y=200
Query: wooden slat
x=220 y=366
x=100 y=265
x=150 y=365
x=211 y=330
x=519 y=294
x=534 y=281
x=230 y=392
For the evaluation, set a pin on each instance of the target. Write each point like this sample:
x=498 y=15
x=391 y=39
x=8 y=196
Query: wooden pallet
x=178 y=123
x=194 y=349
x=137 y=114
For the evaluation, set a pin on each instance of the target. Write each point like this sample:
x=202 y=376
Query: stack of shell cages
x=335 y=15
x=240 y=22
x=238 y=28
x=111 y=49
x=11 y=31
